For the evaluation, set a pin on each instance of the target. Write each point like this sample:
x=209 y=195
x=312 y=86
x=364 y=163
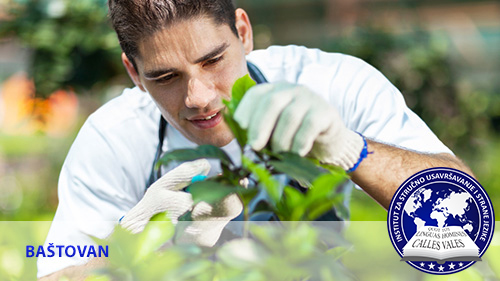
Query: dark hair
x=133 y=20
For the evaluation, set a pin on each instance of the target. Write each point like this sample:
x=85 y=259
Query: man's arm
x=384 y=170
x=292 y=118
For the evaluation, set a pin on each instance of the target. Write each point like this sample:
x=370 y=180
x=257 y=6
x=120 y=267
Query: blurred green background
x=60 y=60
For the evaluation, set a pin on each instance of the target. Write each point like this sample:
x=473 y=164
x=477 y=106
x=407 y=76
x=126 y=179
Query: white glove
x=208 y=222
x=166 y=195
x=295 y=119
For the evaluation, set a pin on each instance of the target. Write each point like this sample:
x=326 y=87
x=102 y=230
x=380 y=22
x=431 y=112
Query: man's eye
x=213 y=61
x=165 y=78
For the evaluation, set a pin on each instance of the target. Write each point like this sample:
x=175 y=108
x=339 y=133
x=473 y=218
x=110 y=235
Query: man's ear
x=132 y=72
x=244 y=29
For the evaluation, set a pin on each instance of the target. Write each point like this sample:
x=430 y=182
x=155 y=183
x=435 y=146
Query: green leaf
x=332 y=235
x=202 y=151
x=240 y=87
x=123 y=244
x=160 y=217
x=263 y=206
x=266 y=235
x=210 y=191
x=341 y=209
x=324 y=186
x=302 y=238
x=247 y=194
x=186 y=217
x=242 y=253
x=299 y=168
x=161 y=264
x=156 y=233
x=271 y=185
x=323 y=196
x=194 y=270
x=333 y=169
x=319 y=209
x=239 y=133
x=291 y=206
x=340 y=251
x=98 y=278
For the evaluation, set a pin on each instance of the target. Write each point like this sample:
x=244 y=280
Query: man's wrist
x=362 y=155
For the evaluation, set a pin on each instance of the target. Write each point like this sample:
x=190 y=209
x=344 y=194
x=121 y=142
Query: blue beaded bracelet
x=364 y=153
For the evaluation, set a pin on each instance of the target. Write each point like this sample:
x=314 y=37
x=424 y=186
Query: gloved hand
x=209 y=221
x=295 y=119
x=166 y=195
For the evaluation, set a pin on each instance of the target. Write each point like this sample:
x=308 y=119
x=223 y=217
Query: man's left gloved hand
x=295 y=119
x=166 y=195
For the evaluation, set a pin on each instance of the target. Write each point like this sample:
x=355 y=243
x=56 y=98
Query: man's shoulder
x=121 y=136
x=293 y=63
x=280 y=56
x=130 y=106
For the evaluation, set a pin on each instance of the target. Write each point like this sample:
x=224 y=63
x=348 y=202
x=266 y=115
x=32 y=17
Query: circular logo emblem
x=440 y=221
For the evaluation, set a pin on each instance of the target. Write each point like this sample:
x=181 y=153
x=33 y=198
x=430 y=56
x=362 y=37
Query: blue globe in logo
x=440 y=198
x=442 y=205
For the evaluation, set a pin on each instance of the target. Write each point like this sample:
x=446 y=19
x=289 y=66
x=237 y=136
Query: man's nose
x=200 y=93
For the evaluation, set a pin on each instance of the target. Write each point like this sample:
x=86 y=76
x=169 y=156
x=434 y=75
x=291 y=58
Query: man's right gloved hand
x=166 y=195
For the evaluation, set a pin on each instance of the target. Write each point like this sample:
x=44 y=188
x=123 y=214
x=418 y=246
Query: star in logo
x=422 y=264
x=431 y=266
x=460 y=264
x=441 y=268
x=452 y=266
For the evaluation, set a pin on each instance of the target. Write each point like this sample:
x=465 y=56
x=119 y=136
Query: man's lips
x=204 y=116
x=207 y=121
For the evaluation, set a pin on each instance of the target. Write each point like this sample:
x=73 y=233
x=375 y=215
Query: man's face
x=188 y=68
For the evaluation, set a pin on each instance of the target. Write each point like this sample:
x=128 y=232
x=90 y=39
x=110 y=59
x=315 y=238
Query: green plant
x=288 y=250
x=275 y=252
x=284 y=201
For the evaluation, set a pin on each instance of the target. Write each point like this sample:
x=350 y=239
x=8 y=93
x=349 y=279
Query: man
x=184 y=57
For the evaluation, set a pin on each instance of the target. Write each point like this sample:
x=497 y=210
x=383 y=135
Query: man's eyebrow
x=213 y=53
x=157 y=73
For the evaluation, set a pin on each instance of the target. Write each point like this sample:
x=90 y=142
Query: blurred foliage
x=29 y=170
x=420 y=64
x=13 y=262
x=271 y=252
x=265 y=252
x=72 y=43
